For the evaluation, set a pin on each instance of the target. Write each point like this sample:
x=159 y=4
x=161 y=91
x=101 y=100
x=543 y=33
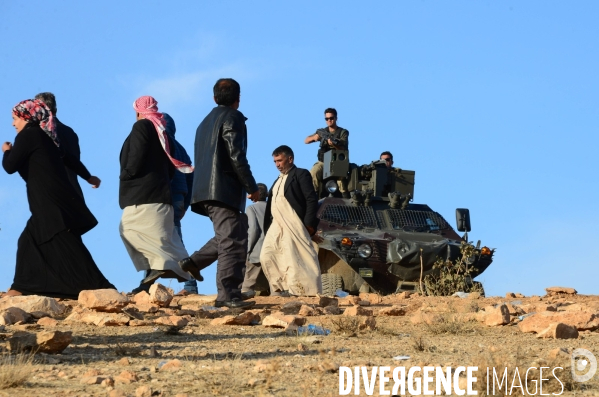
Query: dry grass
x=449 y=324
x=15 y=369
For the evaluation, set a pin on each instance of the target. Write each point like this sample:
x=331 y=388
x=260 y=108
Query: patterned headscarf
x=148 y=107
x=36 y=111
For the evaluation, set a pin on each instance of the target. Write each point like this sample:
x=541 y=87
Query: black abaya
x=51 y=257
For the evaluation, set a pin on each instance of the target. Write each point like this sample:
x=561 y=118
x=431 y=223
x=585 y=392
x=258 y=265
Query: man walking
x=70 y=142
x=219 y=188
x=147 y=226
x=289 y=258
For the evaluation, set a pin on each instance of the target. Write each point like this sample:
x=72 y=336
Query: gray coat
x=255 y=214
x=222 y=172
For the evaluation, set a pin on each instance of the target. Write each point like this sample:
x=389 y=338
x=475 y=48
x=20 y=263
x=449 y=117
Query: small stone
x=265 y=366
x=353 y=300
x=374 y=299
x=160 y=295
x=139 y=323
x=108 y=382
x=474 y=295
x=280 y=320
x=143 y=391
x=171 y=365
x=117 y=393
x=392 y=311
x=364 y=303
x=141 y=298
x=404 y=295
x=92 y=380
x=560 y=352
x=104 y=300
x=126 y=377
x=510 y=295
x=124 y=361
x=255 y=382
x=368 y=323
x=306 y=310
x=177 y=321
x=496 y=315
x=47 y=322
x=328 y=366
x=33 y=303
x=245 y=318
x=292 y=307
x=332 y=310
x=91 y=372
x=357 y=311
x=325 y=301
x=13 y=315
x=519 y=295
x=301 y=347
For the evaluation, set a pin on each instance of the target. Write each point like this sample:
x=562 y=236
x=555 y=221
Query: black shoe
x=142 y=287
x=153 y=276
x=235 y=303
x=247 y=295
x=189 y=266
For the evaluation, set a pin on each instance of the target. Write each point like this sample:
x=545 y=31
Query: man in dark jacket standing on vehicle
x=219 y=192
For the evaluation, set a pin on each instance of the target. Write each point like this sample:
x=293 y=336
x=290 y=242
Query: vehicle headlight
x=331 y=186
x=365 y=250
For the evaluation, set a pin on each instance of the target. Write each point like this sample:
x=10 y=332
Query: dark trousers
x=228 y=246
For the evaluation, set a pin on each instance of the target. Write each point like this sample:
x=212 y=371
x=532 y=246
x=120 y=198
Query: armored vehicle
x=379 y=240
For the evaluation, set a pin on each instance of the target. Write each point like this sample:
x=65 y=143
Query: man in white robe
x=289 y=257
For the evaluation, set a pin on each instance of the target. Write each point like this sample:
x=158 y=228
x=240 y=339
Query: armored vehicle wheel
x=331 y=283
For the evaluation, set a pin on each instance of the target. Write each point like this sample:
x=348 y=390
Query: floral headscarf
x=34 y=110
x=148 y=107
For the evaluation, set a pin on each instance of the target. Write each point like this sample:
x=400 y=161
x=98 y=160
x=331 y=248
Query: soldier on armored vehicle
x=332 y=137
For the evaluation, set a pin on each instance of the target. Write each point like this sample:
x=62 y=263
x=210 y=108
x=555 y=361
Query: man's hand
x=254 y=196
x=6 y=146
x=94 y=181
x=312 y=138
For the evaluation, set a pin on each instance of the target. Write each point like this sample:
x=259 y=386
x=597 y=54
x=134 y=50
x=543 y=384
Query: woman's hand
x=6 y=146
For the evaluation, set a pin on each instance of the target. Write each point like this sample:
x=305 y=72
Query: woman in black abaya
x=51 y=257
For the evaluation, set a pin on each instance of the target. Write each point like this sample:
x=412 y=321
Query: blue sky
x=493 y=104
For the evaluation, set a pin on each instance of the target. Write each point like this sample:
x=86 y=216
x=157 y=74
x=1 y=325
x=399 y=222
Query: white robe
x=289 y=257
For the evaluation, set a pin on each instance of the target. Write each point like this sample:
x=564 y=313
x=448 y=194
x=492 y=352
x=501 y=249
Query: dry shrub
x=501 y=361
x=450 y=324
x=15 y=369
x=347 y=326
x=451 y=277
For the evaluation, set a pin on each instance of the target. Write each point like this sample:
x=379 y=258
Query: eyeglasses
x=329 y=118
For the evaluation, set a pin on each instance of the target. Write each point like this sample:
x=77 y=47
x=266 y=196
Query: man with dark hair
x=70 y=142
x=330 y=137
x=289 y=258
x=255 y=219
x=219 y=188
x=387 y=157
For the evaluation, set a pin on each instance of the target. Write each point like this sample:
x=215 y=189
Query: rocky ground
x=157 y=344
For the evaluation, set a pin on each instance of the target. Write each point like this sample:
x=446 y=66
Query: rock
x=325 y=301
x=245 y=318
x=53 y=341
x=265 y=366
x=195 y=302
x=301 y=347
x=91 y=372
x=494 y=316
x=104 y=300
x=13 y=315
x=146 y=307
x=255 y=382
x=117 y=393
x=171 y=365
x=519 y=295
x=33 y=303
x=333 y=310
x=139 y=323
x=328 y=366
x=141 y=298
x=353 y=300
x=292 y=307
x=474 y=295
x=124 y=361
x=559 y=331
x=126 y=377
x=160 y=295
x=99 y=319
x=403 y=295
x=143 y=391
x=47 y=322
x=368 y=323
x=43 y=342
x=38 y=315
x=108 y=382
x=392 y=311
x=306 y=310
x=560 y=353
x=510 y=295
x=280 y=320
x=514 y=310
x=374 y=299
x=92 y=380
x=363 y=303
x=177 y=321
x=560 y=290
x=357 y=311
x=581 y=320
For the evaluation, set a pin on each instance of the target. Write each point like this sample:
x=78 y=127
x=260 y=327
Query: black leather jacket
x=222 y=172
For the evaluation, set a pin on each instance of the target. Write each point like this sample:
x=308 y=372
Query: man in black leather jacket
x=221 y=182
